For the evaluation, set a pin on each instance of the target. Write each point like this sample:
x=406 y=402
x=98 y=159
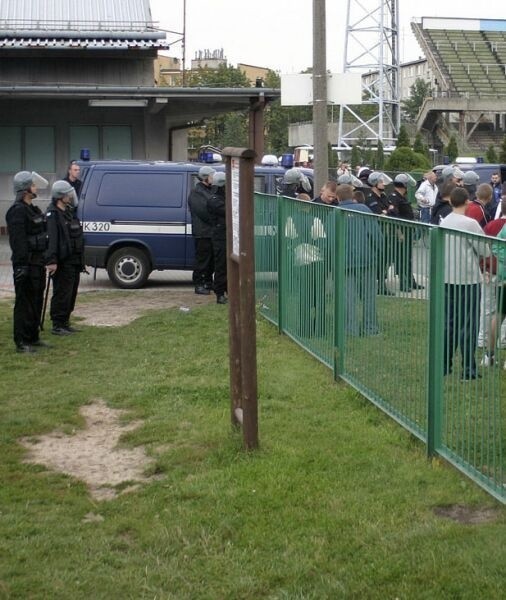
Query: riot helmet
x=219 y=179
x=205 y=172
x=24 y=180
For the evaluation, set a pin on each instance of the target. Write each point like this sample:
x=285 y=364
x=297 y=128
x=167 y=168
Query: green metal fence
x=394 y=308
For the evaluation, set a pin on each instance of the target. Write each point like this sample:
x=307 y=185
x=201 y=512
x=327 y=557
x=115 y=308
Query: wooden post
x=241 y=291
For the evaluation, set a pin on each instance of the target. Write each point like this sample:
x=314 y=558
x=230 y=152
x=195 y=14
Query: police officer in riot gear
x=202 y=231
x=64 y=256
x=217 y=216
x=28 y=242
x=295 y=182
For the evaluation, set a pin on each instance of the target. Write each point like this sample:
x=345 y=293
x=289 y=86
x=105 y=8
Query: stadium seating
x=472 y=62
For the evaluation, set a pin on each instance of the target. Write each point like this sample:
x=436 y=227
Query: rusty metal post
x=256 y=127
x=241 y=286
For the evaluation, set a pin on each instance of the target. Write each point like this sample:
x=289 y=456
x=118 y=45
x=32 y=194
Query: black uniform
x=403 y=242
x=380 y=205
x=65 y=249
x=202 y=232
x=28 y=241
x=217 y=216
x=76 y=184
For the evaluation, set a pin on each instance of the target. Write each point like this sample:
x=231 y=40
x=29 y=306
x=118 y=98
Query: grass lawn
x=338 y=502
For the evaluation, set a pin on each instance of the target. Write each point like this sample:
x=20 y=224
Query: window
x=10 y=149
x=112 y=142
x=39 y=149
x=117 y=142
x=27 y=148
x=259 y=183
x=148 y=189
x=84 y=137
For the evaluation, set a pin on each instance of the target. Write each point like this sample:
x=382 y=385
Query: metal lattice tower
x=371 y=46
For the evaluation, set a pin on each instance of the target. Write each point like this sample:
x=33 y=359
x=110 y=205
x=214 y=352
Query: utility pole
x=320 y=133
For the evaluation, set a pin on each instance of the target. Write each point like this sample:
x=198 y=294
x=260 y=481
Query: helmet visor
x=385 y=179
x=39 y=182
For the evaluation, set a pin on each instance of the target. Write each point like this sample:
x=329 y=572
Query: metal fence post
x=339 y=218
x=281 y=258
x=436 y=333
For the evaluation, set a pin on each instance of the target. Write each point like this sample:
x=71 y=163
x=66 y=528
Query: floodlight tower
x=371 y=47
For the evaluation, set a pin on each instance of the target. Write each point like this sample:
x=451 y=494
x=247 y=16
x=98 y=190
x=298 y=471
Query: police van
x=136 y=219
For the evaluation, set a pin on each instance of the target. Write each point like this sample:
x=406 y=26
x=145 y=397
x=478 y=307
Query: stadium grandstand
x=468 y=60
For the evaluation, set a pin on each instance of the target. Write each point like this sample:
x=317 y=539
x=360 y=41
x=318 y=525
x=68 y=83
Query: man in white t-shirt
x=463 y=279
x=426 y=196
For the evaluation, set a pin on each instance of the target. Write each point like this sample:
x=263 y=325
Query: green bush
x=406 y=159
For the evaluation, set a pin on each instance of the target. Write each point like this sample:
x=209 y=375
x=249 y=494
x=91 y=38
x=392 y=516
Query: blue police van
x=136 y=219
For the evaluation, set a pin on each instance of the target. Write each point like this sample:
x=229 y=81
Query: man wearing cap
x=470 y=181
x=28 y=241
x=64 y=256
x=202 y=231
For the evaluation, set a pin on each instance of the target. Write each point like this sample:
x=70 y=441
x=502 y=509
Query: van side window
x=259 y=183
x=141 y=189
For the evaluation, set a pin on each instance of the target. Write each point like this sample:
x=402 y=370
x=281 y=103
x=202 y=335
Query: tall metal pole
x=184 y=42
x=320 y=133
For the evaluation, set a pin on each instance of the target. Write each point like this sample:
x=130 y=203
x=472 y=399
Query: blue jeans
x=425 y=214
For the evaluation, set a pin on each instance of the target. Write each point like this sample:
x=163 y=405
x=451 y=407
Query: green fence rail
x=394 y=308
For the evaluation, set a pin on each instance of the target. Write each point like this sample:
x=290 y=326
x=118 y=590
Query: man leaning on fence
x=462 y=285
x=364 y=241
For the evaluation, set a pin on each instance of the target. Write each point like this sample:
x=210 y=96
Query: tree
x=491 y=154
x=356 y=156
x=380 y=156
x=403 y=140
x=502 y=153
x=418 y=145
x=417 y=93
x=452 y=150
x=332 y=157
x=405 y=159
x=228 y=129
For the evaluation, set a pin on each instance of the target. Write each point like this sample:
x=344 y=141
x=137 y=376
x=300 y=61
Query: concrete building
x=77 y=75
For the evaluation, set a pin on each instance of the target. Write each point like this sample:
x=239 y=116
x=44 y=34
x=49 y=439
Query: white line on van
x=108 y=227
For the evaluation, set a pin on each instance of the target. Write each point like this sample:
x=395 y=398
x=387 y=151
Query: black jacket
x=403 y=208
x=66 y=240
x=376 y=203
x=27 y=234
x=439 y=211
x=217 y=214
x=197 y=201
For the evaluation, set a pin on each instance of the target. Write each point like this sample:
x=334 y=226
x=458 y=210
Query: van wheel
x=128 y=268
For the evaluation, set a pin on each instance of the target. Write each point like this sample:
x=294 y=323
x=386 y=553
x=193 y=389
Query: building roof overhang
x=182 y=106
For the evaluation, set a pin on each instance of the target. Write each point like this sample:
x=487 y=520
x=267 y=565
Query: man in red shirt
x=476 y=209
x=488 y=296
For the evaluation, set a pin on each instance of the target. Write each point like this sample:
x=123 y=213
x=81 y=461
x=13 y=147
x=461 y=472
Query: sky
x=278 y=33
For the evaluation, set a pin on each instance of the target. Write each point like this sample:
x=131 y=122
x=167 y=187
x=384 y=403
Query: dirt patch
x=467 y=514
x=91 y=454
x=117 y=310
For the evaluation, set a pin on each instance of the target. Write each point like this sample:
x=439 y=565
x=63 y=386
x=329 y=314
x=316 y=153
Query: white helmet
x=378 y=177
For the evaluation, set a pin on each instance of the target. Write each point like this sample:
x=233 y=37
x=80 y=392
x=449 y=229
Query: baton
x=44 y=307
